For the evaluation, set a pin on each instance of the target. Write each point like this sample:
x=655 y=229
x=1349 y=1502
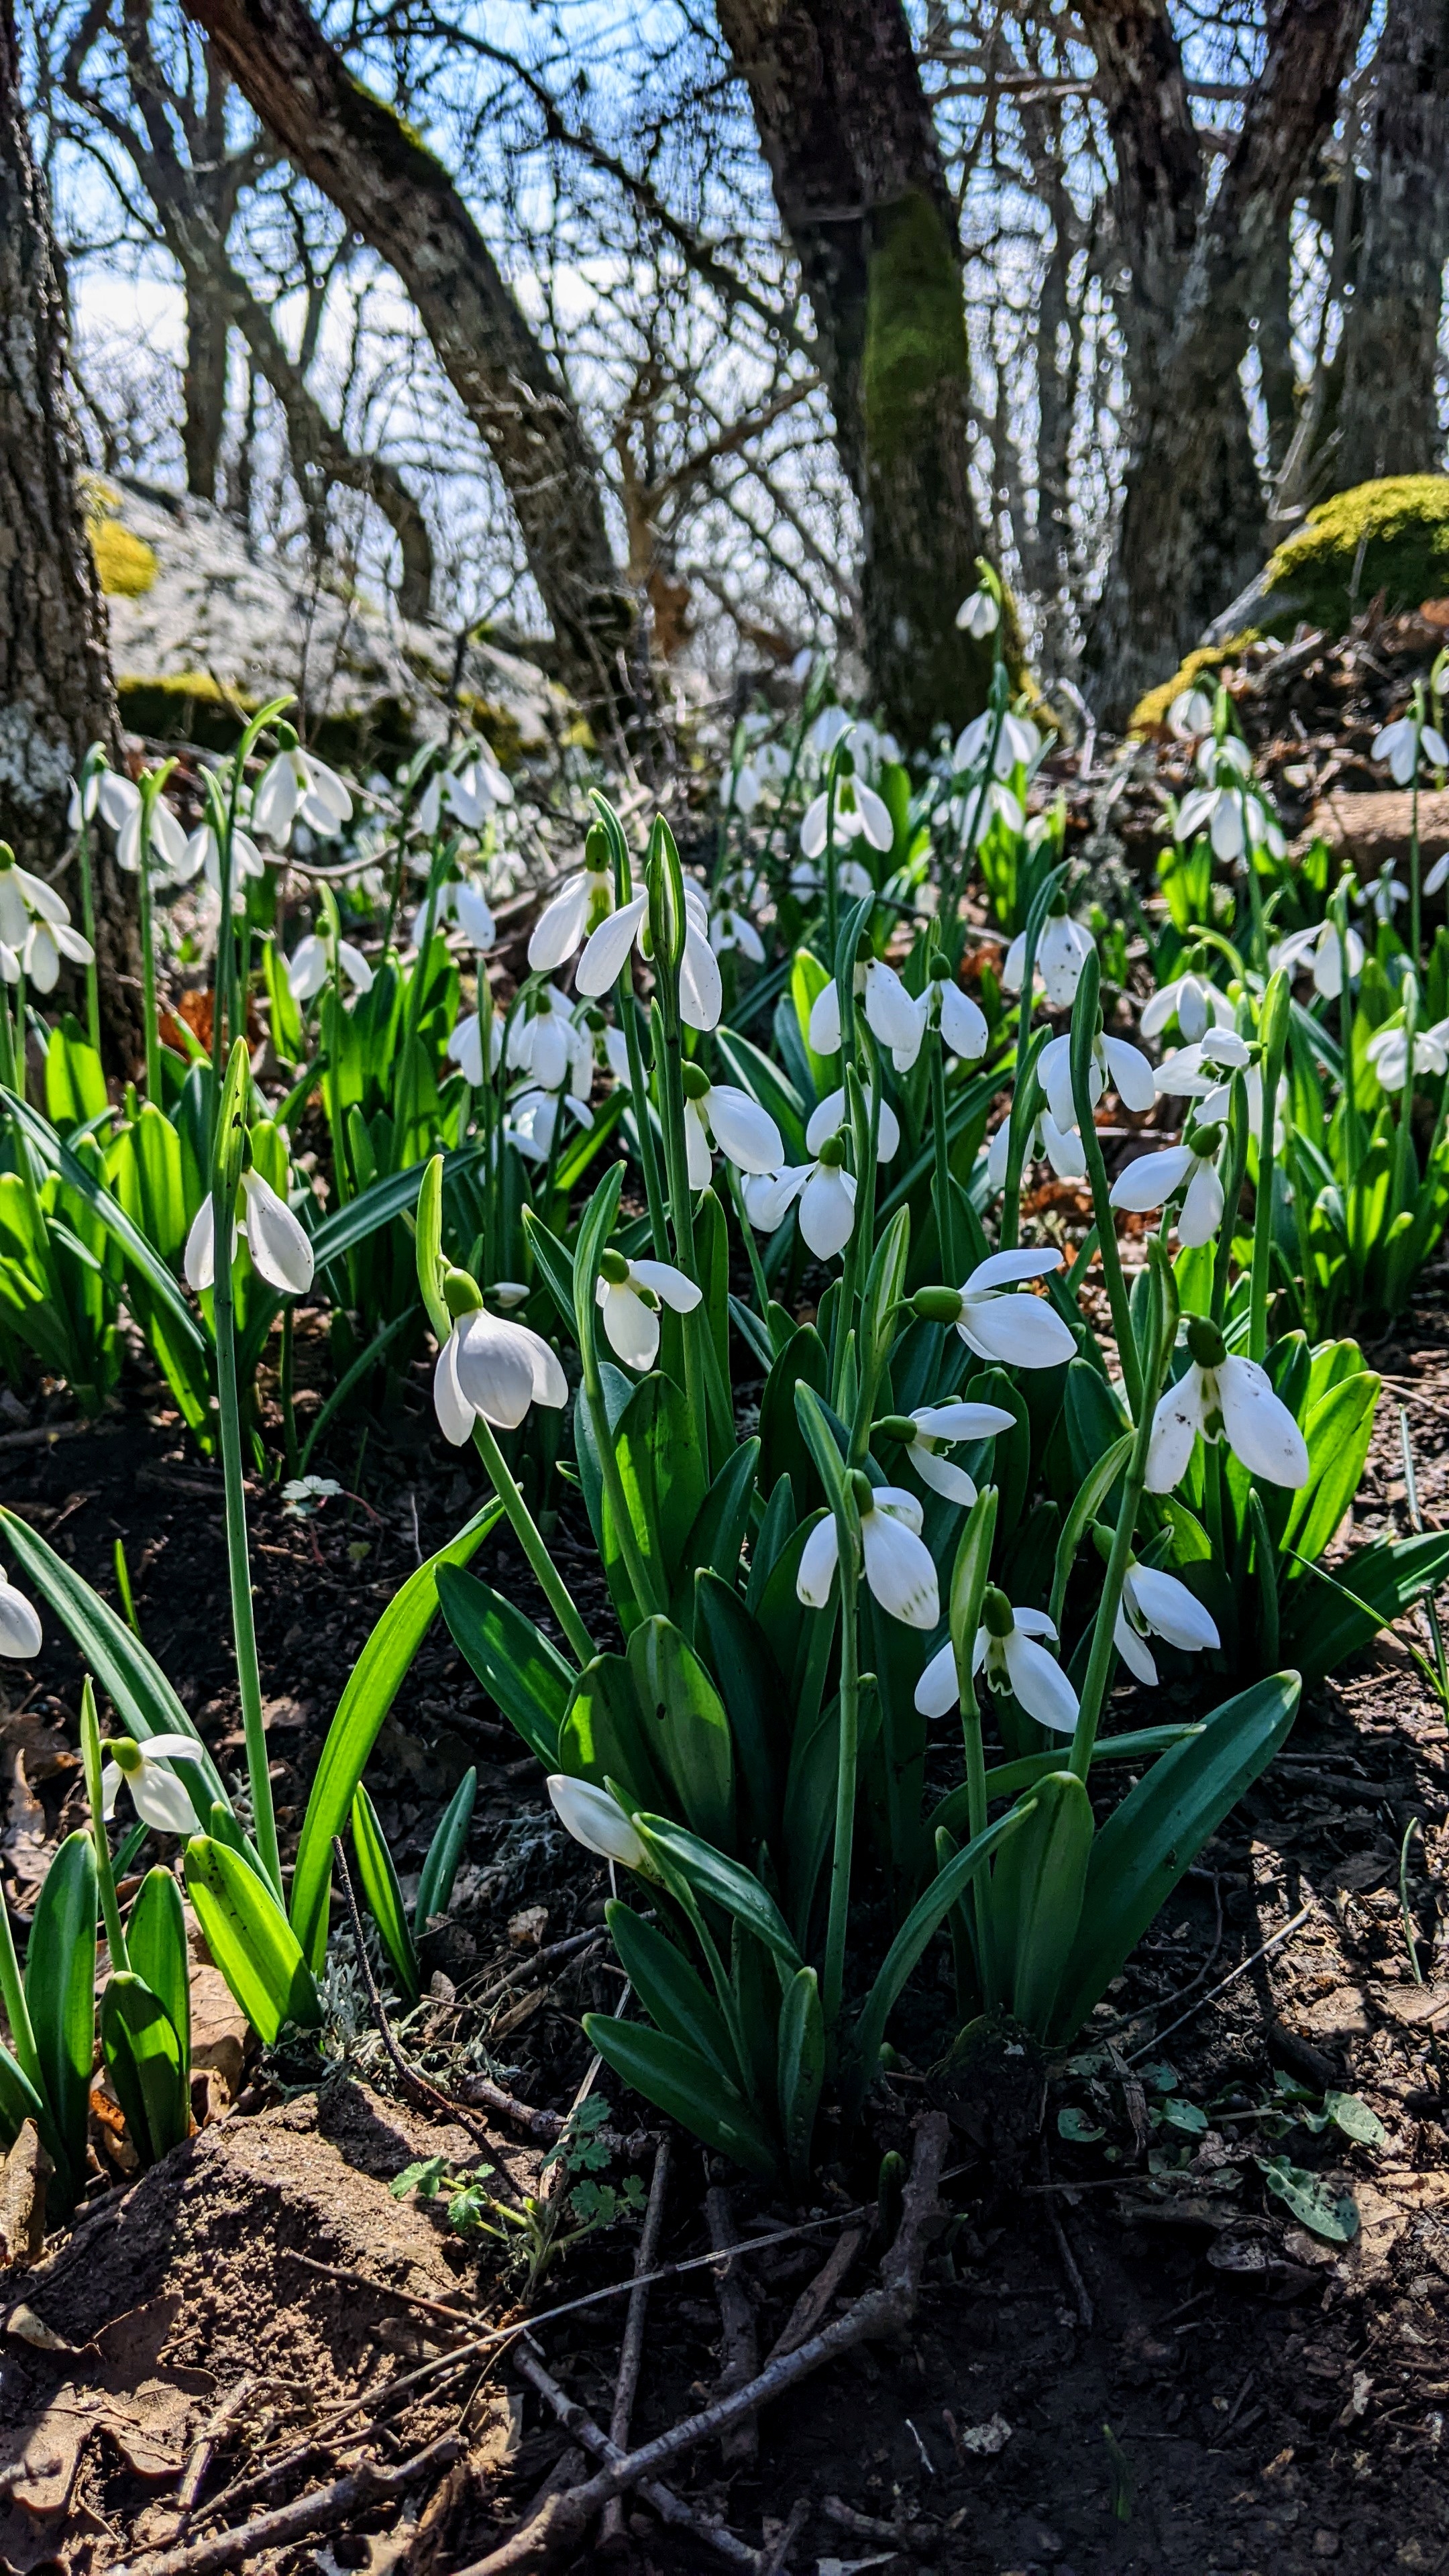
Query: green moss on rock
x=1391 y=536
x=1150 y=713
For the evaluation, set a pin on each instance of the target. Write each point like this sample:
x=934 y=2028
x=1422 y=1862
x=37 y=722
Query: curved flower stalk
x=744 y=1132
x=1223 y=1397
x=1155 y=1604
x=1189 y=1171
x=1194 y=1002
x=281 y=1253
x=1319 y=951
x=931 y=1429
x=825 y=1192
x=1062 y=951
x=35 y=928
x=20 y=1633
x=995 y=1322
x=310 y=966
x=1010 y=1656
x=490 y=1367
x=606 y=953
x=899 y=1567
x=158 y=1797
x=297 y=787
x=629 y=1295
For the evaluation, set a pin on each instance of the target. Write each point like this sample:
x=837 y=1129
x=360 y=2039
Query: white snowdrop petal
x=560 y=926
x=278 y=1246
x=951 y=1482
x=963 y=1023
x=1135 y=1652
x=158 y=1797
x=1004 y=1269
x=1175 y=1426
x=818 y=1559
x=1202 y=1208
x=595 y=1819
x=1259 y=1428
x=455 y=1414
x=20 y=1632
x=632 y=1327
x=827 y=1210
x=198 y=1262
x=900 y=1569
x=1171 y=1611
x=677 y=1290
x=963 y=1420
x=743 y=1129
x=494 y=1370
x=606 y=950
x=938 y=1691
x=1151 y=1178
x=701 y=988
x=1039 y=1685
x=1131 y=1074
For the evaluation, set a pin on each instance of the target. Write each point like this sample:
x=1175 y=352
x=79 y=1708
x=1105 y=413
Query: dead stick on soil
x=741 y=2342
x=885 y=2311
x=631 y=2350
x=816 y=2296
x=662 y=2500
x=1070 y=2266
x=777 y=2555
x=204 y=2451
x=1223 y=1983
x=321 y=2511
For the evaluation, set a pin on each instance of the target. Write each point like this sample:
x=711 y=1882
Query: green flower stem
x=669 y=1063
x=226 y=1175
x=148 y=949
x=17 y=2010
x=1134 y=1485
x=951 y=1264
x=1237 y=1168
x=1274 y=1027
x=1084 y=1030
x=832 y=896
x=970 y=828
x=8 y=1074
x=88 y=923
x=525 y=1529
x=285 y=1388
x=105 y=1874
x=747 y=1237
x=833 y=1986
x=1010 y=1231
x=630 y=1011
x=22 y=1043
x=1404 y=1164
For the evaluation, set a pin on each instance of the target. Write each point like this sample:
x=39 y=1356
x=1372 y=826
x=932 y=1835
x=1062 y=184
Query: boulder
x=1387 y=539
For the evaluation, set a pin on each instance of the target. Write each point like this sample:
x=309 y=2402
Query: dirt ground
x=1130 y=2353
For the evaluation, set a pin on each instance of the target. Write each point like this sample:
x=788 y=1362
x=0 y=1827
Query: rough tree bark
x=1192 y=524
x=1388 y=411
x=401 y=200
x=204 y=379
x=846 y=130
x=56 y=694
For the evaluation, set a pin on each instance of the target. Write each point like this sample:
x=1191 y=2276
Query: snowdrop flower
x=1006 y=1648
x=476 y=787
x=543 y=1040
x=899 y=1567
x=533 y=1118
x=1155 y=1604
x=1193 y=1002
x=741 y=789
x=1061 y=952
x=1190 y=714
x=830 y=1116
x=465 y=1046
x=203 y=853
x=491 y=1366
x=1388 y=1052
x=729 y=929
x=629 y=1295
x=978 y=616
x=295 y=786
x=582 y=902
x=1321 y=950
x=972 y=816
x=943 y=1006
x=1020 y=1332
x=1191 y=1168
x=281 y=1253
x=1113 y=1061
x=606 y=953
x=890 y=1012
x=19 y=1625
x=1223 y=1396
x=825 y=1192
x=827 y=730
x=851 y=878
x=309 y=966
x=859 y=813
x=1385 y=893
x=1017 y=744
x=118 y=800
x=932 y=1428
x=1437 y=874
x=157 y=1795
x=596 y=1820
x=1405 y=744
x=743 y=1131
x=1062 y=1147
x=468 y=906
x=35 y=928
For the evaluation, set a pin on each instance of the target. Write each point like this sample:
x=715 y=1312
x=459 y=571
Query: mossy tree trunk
x=1388 y=409
x=1192 y=527
x=846 y=130
x=401 y=200
x=56 y=694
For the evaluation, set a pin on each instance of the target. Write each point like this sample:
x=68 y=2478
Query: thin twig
x=631 y=2350
x=816 y=2296
x=740 y=2354
x=662 y=2500
x=1070 y=2266
x=365 y=2485
x=1223 y=1983
x=204 y=2450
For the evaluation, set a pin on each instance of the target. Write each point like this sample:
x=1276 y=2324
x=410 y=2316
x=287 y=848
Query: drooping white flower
x=1006 y=1648
x=533 y=1117
x=1191 y=1169
x=829 y=727
x=1155 y=1604
x=1388 y=1052
x=972 y=815
x=851 y=878
x=1190 y=715
x=596 y=1820
x=202 y=854
x=1219 y=810
x=308 y=967
x=629 y=1295
x=826 y=1195
x=1062 y=1147
x=294 y=786
x=890 y=1012
x=158 y=1797
x=1384 y=893
x=859 y=814
x=1017 y=744
x=581 y=903
x=476 y=787
x=899 y=1567
x=491 y=1366
x=1223 y=1396
x=979 y=616
x=35 y=929
x=468 y=906
x=1061 y=952
x=465 y=1046
x=730 y=928
x=938 y=1427
x=830 y=1115
x=19 y=1624
x=543 y=1040
x=606 y=952
x=743 y=1131
x=1193 y=1002
x=995 y=1323
x=1322 y=951
x=280 y=1250
x=1113 y=1060
x=1405 y=744
x=1204 y=1070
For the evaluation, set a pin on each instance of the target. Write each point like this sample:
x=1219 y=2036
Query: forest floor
x=1128 y=2353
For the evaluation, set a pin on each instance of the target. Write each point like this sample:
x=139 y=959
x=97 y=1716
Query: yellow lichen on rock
x=127 y=566
x=1150 y=712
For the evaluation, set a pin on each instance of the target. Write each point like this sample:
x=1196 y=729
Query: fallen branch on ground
x=323 y=2510
x=631 y=2350
x=662 y=2500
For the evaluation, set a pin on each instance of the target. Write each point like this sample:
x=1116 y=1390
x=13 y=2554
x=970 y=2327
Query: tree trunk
x=401 y=200
x=203 y=386
x=1388 y=410
x=846 y=130
x=56 y=694
x=1191 y=533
